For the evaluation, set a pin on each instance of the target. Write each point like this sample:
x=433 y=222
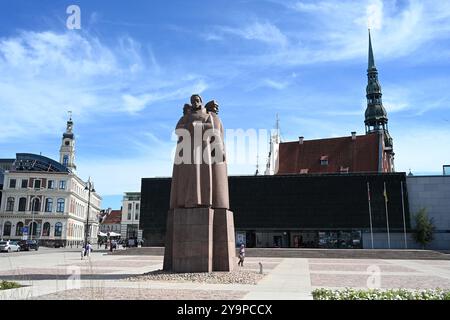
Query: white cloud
x=265 y=32
x=44 y=74
x=335 y=31
x=375 y=15
x=278 y=85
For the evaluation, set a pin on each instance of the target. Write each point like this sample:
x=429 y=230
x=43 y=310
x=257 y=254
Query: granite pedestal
x=199 y=240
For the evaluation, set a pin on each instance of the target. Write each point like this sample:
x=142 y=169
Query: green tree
x=424 y=228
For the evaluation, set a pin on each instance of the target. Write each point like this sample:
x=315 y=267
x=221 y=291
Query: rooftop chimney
x=353 y=135
x=300 y=140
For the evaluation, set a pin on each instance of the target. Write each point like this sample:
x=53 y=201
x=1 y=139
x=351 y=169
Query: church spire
x=375 y=116
x=67 y=150
x=376 y=119
x=371 y=63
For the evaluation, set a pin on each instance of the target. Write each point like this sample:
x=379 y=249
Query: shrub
x=377 y=294
x=5 y=285
x=423 y=233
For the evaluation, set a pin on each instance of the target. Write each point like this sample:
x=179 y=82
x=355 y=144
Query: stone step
x=315 y=253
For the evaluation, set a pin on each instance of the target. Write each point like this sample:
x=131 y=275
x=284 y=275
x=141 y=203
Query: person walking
x=241 y=255
x=87 y=250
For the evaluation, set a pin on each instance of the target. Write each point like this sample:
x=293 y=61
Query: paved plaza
x=61 y=274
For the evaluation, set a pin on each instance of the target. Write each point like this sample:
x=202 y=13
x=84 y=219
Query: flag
x=385 y=193
x=368 y=191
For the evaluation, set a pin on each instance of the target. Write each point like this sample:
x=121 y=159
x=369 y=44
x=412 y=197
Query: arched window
x=33 y=229
x=35 y=204
x=60 y=205
x=58 y=229
x=7 y=229
x=66 y=160
x=10 y=204
x=46 y=230
x=48 y=205
x=19 y=229
x=22 y=204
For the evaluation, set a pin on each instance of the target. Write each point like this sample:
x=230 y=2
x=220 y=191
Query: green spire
x=371 y=59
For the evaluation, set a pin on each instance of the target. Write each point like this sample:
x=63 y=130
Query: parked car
x=9 y=246
x=27 y=245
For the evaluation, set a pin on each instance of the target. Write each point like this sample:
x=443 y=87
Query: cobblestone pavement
x=384 y=274
x=52 y=275
x=142 y=294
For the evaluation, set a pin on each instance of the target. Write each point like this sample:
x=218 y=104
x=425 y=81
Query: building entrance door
x=277 y=241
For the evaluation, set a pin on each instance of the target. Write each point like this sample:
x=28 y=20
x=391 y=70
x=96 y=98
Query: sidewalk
x=290 y=280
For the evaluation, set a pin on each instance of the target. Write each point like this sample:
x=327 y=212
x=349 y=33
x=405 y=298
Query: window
x=58 y=229
x=24 y=184
x=48 y=205
x=37 y=184
x=136 y=216
x=19 y=229
x=66 y=160
x=33 y=229
x=60 y=205
x=7 y=229
x=62 y=184
x=324 y=160
x=22 y=204
x=12 y=183
x=51 y=184
x=137 y=206
x=35 y=204
x=10 y=204
x=304 y=171
x=46 y=230
x=130 y=207
x=129 y=216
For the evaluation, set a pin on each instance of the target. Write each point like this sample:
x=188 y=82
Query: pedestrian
x=87 y=250
x=241 y=255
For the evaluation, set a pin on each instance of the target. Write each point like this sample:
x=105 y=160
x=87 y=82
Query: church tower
x=67 y=150
x=376 y=120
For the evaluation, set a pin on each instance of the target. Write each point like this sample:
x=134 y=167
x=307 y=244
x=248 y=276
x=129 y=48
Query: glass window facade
x=327 y=210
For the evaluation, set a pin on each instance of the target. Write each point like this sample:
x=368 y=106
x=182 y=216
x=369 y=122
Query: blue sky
x=127 y=73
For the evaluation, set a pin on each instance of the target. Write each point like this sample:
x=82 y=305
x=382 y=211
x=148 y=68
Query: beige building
x=45 y=200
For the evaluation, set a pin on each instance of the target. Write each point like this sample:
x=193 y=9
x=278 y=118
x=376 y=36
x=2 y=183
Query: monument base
x=199 y=240
x=224 y=245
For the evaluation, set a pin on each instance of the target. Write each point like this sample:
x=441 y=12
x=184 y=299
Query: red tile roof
x=359 y=155
x=115 y=217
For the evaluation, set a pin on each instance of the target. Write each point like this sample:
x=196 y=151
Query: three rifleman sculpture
x=200 y=228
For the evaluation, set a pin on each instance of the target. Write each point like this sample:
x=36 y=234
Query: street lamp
x=90 y=188
x=33 y=205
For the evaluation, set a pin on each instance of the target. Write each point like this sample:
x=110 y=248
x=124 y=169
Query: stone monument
x=200 y=226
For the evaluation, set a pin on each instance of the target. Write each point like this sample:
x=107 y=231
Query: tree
x=424 y=228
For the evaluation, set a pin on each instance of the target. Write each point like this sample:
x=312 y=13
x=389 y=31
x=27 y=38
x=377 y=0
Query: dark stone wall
x=292 y=202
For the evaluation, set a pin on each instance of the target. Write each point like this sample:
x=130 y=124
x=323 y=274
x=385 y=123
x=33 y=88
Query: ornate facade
x=45 y=200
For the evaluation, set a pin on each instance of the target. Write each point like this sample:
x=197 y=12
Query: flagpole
x=387 y=215
x=370 y=212
x=403 y=210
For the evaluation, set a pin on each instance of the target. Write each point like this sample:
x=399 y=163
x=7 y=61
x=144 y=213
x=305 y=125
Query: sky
x=129 y=69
